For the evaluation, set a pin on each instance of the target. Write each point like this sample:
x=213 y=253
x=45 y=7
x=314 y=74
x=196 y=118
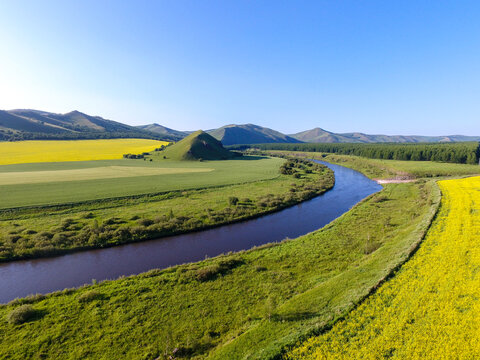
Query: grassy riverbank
x=430 y=309
x=44 y=231
x=386 y=169
x=251 y=304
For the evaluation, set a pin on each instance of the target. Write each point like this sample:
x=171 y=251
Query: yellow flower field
x=431 y=308
x=72 y=150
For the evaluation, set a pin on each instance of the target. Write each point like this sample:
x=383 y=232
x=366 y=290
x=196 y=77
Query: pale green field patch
x=94 y=173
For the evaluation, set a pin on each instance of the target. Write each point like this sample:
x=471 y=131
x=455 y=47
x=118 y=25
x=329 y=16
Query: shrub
x=221 y=268
x=233 y=200
x=145 y=222
x=110 y=221
x=380 y=198
x=89 y=296
x=88 y=215
x=21 y=314
x=27 y=299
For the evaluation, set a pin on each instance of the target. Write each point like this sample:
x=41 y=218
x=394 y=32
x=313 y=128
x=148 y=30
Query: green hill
x=26 y=124
x=164 y=131
x=197 y=146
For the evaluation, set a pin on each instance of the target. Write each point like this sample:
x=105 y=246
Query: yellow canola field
x=431 y=308
x=21 y=152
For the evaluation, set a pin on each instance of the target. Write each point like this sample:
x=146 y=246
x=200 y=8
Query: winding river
x=21 y=278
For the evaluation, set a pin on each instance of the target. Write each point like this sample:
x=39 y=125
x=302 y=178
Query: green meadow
x=250 y=304
x=70 y=182
x=385 y=169
x=46 y=230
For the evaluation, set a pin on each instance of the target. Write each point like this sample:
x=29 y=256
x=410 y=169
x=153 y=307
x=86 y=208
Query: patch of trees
x=133 y=156
x=460 y=153
x=21 y=135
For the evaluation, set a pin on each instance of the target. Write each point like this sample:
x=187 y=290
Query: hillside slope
x=26 y=124
x=318 y=135
x=164 y=131
x=249 y=134
x=197 y=146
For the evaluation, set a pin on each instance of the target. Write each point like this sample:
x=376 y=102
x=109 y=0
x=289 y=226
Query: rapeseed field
x=72 y=150
x=430 y=309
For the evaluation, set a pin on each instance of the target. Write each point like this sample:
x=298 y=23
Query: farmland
x=429 y=310
x=39 y=184
x=72 y=150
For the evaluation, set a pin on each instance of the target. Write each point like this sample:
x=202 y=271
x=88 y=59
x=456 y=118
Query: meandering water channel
x=21 y=278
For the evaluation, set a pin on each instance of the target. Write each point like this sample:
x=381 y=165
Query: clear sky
x=393 y=67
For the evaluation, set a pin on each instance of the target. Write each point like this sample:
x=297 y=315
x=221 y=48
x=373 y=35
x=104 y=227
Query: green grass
x=246 y=305
x=196 y=146
x=385 y=169
x=45 y=231
x=226 y=172
x=107 y=172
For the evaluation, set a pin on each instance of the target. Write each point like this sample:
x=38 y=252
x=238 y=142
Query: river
x=21 y=278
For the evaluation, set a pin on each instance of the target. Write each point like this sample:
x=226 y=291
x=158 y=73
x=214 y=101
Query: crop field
x=67 y=182
x=430 y=309
x=21 y=152
x=105 y=172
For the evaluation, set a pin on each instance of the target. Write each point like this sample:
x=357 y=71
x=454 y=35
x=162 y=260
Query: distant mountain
x=319 y=135
x=36 y=124
x=249 y=134
x=197 y=146
x=164 y=131
x=26 y=124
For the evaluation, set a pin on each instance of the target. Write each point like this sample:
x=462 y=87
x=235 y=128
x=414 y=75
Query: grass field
x=105 y=172
x=430 y=309
x=70 y=182
x=41 y=231
x=21 y=152
x=384 y=169
x=245 y=305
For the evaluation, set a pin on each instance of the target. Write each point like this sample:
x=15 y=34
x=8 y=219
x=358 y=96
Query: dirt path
x=393 y=181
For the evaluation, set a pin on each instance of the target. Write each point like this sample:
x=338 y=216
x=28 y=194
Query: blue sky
x=393 y=67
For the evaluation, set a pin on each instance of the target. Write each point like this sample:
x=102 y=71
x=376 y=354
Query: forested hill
x=249 y=134
x=41 y=125
x=461 y=153
x=164 y=131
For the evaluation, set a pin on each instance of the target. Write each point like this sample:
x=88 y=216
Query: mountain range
x=36 y=124
x=319 y=135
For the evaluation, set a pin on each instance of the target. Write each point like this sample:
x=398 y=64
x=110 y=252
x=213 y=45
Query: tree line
x=21 y=135
x=460 y=153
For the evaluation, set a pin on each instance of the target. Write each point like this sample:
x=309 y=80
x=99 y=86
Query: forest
x=459 y=153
